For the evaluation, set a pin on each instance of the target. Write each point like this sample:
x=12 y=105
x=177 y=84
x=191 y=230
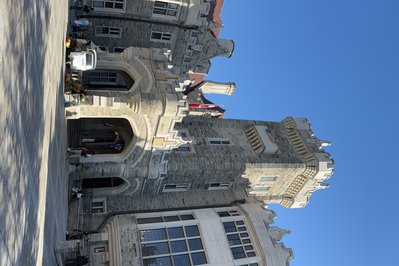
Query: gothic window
x=107 y=80
x=165 y=9
x=102 y=182
x=108 y=31
x=158 y=36
x=102 y=77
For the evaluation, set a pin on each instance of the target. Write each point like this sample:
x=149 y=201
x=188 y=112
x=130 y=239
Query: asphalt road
x=33 y=169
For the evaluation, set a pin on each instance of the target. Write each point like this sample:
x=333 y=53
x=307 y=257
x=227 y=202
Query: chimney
x=226 y=47
x=227 y=88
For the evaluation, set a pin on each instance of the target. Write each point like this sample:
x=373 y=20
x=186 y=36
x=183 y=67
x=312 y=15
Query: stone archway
x=99 y=135
x=105 y=185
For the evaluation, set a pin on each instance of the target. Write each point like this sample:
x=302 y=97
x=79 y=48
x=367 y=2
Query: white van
x=84 y=60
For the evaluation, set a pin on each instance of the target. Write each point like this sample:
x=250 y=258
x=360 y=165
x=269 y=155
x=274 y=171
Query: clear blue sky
x=337 y=63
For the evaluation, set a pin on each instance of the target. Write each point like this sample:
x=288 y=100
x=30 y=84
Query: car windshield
x=89 y=60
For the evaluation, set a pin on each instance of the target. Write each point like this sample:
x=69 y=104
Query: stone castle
x=169 y=180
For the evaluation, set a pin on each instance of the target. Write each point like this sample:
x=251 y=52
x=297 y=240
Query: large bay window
x=170 y=245
x=238 y=239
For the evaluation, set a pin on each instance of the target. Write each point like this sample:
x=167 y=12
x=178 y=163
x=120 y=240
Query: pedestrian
x=76 y=193
x=83 y=152
x=87 y=9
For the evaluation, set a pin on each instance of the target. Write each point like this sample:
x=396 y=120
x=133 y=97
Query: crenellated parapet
x=319 y=164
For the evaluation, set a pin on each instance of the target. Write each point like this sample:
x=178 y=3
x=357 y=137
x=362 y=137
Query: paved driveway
x=33 y=178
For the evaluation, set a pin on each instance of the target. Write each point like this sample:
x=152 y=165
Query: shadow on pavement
x=23 y=128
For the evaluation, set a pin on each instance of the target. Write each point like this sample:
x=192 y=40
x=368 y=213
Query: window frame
x=165 y=37
x=103 y=206
x=260 y=188
x=165 y=218
x=228 y=213
x=166 y=9
x=242 y=232
x=97 y=77
x=179 y=187
x=183 y=148
x=97 y=32
x=221 y=186
x=265 y=179
x=94 y=4
x=219 y=141
x=100 y=249
x=190 y=245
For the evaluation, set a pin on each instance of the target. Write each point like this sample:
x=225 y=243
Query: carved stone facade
x=234 y=235
x=188 y=28
x=152 y=154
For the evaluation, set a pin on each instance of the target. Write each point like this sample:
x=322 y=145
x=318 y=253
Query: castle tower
x=279 y=162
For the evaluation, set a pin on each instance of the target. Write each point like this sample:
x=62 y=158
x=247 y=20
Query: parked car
x=84 y=60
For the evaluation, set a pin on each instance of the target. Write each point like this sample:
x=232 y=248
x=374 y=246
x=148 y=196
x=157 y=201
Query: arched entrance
x=99 y=135
x=104 y=185
x=102 y=182
x=110 y=80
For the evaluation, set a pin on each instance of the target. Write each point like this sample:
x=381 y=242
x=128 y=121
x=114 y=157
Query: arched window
x=111 y=80
x=102 y=182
